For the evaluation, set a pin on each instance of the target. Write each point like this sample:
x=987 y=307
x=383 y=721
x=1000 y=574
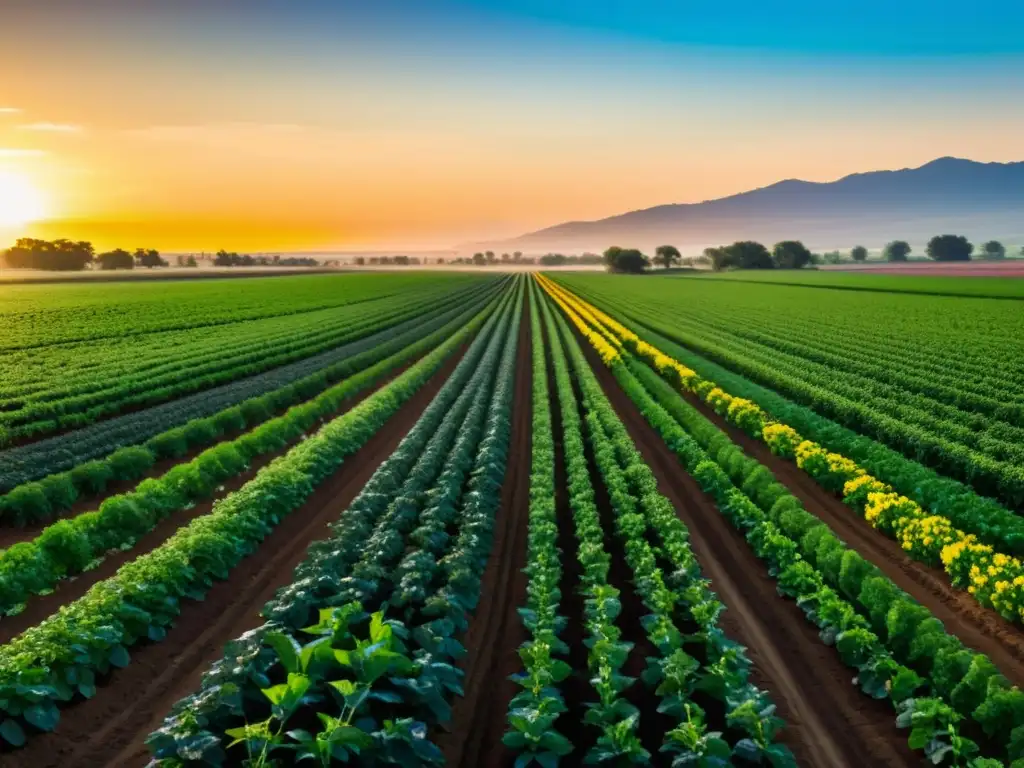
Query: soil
x=42 y=606
x=110 y=729
x=829 y=721
x=495 y=631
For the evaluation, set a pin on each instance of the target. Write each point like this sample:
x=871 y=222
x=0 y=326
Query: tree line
x=791 y=254
x=76 y=255
x=73 y=255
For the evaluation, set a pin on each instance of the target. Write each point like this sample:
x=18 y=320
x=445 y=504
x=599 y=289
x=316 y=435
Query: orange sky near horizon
x=256 y=149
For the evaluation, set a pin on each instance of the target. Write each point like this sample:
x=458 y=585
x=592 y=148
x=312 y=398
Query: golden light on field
x=21 y=201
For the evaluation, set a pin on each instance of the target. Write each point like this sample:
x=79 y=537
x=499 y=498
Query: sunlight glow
x=21 y=201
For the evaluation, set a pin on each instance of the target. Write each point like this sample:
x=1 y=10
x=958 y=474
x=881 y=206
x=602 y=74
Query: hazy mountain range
x=980 y=200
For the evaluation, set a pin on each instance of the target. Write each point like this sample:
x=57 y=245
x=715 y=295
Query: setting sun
x=21 y=202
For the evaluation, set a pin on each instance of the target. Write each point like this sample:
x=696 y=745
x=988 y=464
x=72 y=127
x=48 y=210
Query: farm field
x=509 y=520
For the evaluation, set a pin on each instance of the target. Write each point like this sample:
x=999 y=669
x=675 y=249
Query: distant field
x=945 y=284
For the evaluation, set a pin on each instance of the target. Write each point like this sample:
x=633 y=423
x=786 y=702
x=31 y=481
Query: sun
x=21 y=201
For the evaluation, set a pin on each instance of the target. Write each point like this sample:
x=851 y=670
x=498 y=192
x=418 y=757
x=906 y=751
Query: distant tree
x=631 y=261
x=610 y=256
x=748 y=254
x=360 y=261
x=59 y=255
x=833 y=257
x=505 y=257
x=148 y=257
x=115 y=259
x=191 y=261
x=817 y=258
x=897 y=250
x=517 y=256
x=993 y=249
x=479 y=259
x=859 y=253
x=489 y=255
x=718 y=257
x=667 y=255
x=791 y=254
x=440 y=260
x=950 y=248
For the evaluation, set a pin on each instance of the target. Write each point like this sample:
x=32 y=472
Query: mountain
x=981 y=200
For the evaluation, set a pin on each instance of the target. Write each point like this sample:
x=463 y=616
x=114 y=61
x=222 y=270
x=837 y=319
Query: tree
x=631 y=261
x=993 y=249
x=791 y=254
x=832 y=257
x=479 y=259
x=148 y=257
x=490 y=257
x=610 y=256
x=897 y=250
x=718 y=257
x=505 y=257
x=950 y=248
x=859 y=253
x=116 y=259
x=191 y=261
x=517 y=256
x=666 y=255
x=59 y=255
x=748 y=254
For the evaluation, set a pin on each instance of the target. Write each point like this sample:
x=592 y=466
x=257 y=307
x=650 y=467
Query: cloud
x=14 y=152
x=52 y=127
x=9 y=111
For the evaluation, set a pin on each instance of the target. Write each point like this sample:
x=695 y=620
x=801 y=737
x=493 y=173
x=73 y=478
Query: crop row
x=699 y=675
x=991 y=462
x=38 y=316
x=415 y=539
x=58 y=660
x=47 y=477
x=853 y=604
x=109 y=395
x=995 y=578
x=69 y=547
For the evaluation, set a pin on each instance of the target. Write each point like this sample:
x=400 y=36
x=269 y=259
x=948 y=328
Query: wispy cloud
x=52 y=128
x=9 y=111
x=17 y=152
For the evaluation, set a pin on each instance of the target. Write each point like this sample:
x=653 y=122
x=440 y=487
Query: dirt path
x=829 y=721
x=979 y=628
x=110 y=729
x=495 y=632
x=41 y=607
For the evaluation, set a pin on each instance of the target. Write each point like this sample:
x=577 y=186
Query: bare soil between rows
x=829 y=721
x=473 y=738
x=110 y=729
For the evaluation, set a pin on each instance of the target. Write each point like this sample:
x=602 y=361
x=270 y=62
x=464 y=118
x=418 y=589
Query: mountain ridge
x=980 y=199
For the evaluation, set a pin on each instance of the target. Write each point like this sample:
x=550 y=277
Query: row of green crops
x=74 y=402
x=36 y=316
x=897 y=647
x=990 y=521
x=415 y=540
x=534 y=711
x=979 y=448
x=59 y=659
x=699 y=676
x=989 y=571
x=67 y=548
x=69 y=466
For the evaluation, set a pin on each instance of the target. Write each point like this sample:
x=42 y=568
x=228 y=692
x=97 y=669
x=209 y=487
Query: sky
x=413 y=124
